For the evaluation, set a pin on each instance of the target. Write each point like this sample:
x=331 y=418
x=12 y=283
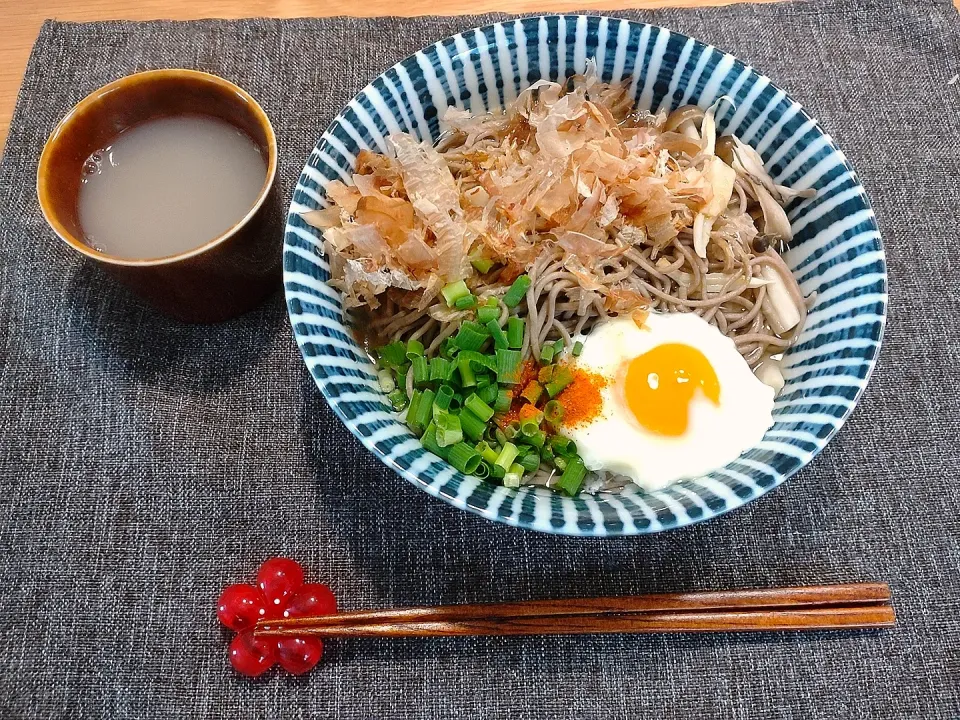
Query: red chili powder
x=581 y=399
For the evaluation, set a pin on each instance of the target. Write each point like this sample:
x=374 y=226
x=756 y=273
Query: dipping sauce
x=169 y=185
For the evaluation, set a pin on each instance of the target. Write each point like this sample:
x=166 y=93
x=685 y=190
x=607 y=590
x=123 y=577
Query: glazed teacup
x=221 y=278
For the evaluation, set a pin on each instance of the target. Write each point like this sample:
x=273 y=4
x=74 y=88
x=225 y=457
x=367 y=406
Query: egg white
x=716 y=434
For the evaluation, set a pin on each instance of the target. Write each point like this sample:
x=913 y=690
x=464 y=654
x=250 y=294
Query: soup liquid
x=169 y=185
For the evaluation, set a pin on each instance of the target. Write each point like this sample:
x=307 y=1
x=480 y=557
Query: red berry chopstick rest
x=279 y=593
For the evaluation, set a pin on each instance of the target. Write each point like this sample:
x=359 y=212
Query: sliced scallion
x=563 y=445
x=414 y=347
x=464 y=458
x=499 y=336
x=472 y=426
x=508 y=366
x=553 y=412
x=478 y=407
x=515 y=329
x=471 y=336
x=503 y=401
x=454 y=291
x=440 y=369
x=449 y=431
x=444 y=397
x=572 y=477
x=486 y=313
x=398 y=399
x=508 y=453
x=516 y=292
x=420 y=370
x=429 y=441
x=393 y=355
x=467 y=302
x=577 y=348
x=488 y=394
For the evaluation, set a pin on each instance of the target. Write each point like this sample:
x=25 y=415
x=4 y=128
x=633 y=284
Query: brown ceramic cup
x=222 y=278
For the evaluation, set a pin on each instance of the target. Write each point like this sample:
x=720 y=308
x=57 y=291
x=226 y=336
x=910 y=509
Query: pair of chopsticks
x=819 y=607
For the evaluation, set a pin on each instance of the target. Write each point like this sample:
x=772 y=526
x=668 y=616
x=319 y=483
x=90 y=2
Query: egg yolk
x=660 y=384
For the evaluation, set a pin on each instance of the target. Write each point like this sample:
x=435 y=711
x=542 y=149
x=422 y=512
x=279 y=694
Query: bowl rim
x=514 y=520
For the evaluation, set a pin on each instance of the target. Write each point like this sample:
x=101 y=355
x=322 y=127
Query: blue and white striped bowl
x=836 y=254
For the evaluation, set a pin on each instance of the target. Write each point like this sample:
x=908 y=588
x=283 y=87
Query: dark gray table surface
x=145 y=464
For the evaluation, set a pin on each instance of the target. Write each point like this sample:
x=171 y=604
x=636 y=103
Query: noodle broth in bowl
x=593 y=300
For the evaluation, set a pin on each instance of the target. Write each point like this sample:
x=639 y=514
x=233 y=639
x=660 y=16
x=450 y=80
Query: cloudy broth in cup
x=169 y=185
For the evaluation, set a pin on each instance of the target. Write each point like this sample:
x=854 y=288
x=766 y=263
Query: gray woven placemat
x=144 y=465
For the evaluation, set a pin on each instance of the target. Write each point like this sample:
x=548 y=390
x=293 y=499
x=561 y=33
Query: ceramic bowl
x=837 y=256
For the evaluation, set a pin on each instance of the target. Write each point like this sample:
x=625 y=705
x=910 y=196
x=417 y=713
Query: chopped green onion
x=394 y=354
x=484 y=380
x=486 y=313
x=440 y=369
x=479 y=361
x=448 y=348
x=515 y=329
x=546 y=354
x=398 y=399
x=478 y=407
x=414 y=347
x=561 y=378
x=499 y=336
x=464 y=458
x=511 y=431
x=499 y=436
x=482 y=471
x=473 y=427
x=517 y=291
x=492 y=301
x=529 y=426
x=454 y=291
x=537 y=439
x=546 y=374
x=546 y=453
x=424 y=409
x=467 y=302
x=467 y=378
x=449 y=431
x=508 y=366
x=553 y=412
x=444 y=397
x=572 y=477
x=420 y=370
x=413 y=409
x=385 y=377
x=504 y=401
x=497 y=472
x=488 y=394
x=480 y=262
x=560 y=463
x=511 y=478
x=429 y=441
x=532 y=391
x=577 y=348
x=563 y=445
x=508 y=453
x=487 y=452
x=530 y=462
x=471 y=336
x=558 y=347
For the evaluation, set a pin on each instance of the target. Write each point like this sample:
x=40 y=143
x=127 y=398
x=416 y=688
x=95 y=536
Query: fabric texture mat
x=145 y=464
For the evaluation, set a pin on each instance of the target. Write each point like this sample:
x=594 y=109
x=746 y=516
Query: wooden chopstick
x=859 y=605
